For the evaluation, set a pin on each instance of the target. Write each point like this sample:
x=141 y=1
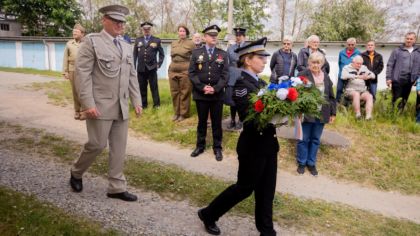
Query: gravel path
x=150 y=215
x=31 y=109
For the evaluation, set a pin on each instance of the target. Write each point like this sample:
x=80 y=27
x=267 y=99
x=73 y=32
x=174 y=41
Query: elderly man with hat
x=146 y=50
x=106 y=80
x=70 y=53
x=234 y=73
x=257 y=151
x=208 y=73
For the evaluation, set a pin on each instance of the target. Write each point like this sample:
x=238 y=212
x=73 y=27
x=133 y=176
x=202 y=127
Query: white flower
x=296 y=81
x=308 y=85
x=282 y=93
x=261 y=92
x=283 y=78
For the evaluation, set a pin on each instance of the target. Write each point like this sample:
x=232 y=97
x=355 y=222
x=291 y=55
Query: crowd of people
x=105 y=71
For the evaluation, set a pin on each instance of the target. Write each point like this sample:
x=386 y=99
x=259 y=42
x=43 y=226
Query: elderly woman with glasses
x=312 y=127
x=284 y=61
x=304 y=53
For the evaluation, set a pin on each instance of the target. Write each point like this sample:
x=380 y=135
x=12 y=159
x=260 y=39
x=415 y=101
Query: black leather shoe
x=313 y=170
x=301 y=169
x=125 y=196
x=211 y=227
x=76 y=184
x=197 y=152
x=218 y=154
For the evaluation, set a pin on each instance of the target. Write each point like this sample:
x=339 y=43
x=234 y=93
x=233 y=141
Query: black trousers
x=401 y=89
x=215 y=108
x=257 y=173
x=233 y=112
x=145 y=78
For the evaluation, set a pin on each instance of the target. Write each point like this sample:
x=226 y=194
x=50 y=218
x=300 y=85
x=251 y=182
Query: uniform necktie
x=210 y=52
x=147 y=39
x=117 y=44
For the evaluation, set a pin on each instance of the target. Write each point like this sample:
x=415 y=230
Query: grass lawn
x=31 y=71
x=384 y=152
x=25 y=215
x=174 y=183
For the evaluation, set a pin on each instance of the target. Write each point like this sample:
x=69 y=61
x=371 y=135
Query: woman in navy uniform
x=257 y=151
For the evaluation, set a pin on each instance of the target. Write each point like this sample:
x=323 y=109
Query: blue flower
x=272 y=87
x=285 y=85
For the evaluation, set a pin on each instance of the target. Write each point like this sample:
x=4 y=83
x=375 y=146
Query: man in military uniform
x=70 y=52
x=234 y=73
x=146 y=49
x=208 y=73
x=106 y=80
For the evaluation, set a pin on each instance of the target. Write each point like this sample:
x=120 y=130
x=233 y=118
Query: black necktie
x=210 y=52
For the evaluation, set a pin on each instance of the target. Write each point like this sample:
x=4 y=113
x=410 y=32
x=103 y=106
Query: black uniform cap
x=239 y=31
x=256 y=47
x=212 y=30
x=146 y=24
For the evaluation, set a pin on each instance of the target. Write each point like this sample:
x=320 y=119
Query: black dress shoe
x=76 y=184
x=197 y=152
x=125 y=196
x=218 y=154
x=211 y=227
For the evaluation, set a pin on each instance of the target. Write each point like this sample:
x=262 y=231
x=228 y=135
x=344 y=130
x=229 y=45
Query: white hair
x=288 y=38
x=357 y=58
x=351 y=40
x=313 y=38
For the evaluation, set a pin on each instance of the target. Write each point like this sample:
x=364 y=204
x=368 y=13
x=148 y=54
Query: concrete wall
x=47 y=54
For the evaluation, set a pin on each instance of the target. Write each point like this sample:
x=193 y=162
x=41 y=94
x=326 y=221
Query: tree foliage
x=249 y=14
x=44 y=17
x=338 y=20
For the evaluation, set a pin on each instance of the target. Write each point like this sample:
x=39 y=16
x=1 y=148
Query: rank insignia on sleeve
x=241 y=92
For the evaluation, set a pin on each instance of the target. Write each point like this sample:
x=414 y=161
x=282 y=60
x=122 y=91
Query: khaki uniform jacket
x=70 y=53
x=106 y=76
x=181 y=51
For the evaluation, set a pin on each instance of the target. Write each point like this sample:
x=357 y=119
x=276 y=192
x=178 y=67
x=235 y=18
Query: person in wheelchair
x=356 y=74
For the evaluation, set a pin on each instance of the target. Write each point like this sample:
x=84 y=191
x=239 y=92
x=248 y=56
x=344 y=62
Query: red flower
x=293 y=94
x=259 y=106
x=304 y=79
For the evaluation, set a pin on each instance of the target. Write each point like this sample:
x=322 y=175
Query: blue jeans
x=307 y=148
x=340 y=88
x=373 y=88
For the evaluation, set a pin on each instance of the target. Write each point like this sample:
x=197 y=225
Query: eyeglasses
x=287 y=43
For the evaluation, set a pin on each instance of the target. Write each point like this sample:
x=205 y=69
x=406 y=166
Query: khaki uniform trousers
x=99 y=133
x=76 y=102
x=181 y=87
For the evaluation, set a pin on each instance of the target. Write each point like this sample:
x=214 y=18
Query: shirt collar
x=108 y=35
x=251 y=74
x=208 y=47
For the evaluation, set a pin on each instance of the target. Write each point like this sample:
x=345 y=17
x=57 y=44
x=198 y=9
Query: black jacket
x=277 y=66
x=145 y=54
x=252 y=140
x=328 y=109
x=376 y=67
x=205 y=71
x=303 y=56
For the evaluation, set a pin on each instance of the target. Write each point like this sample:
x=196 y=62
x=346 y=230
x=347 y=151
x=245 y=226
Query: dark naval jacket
x=145 y=54
x=252 y=139
x=208 y=71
